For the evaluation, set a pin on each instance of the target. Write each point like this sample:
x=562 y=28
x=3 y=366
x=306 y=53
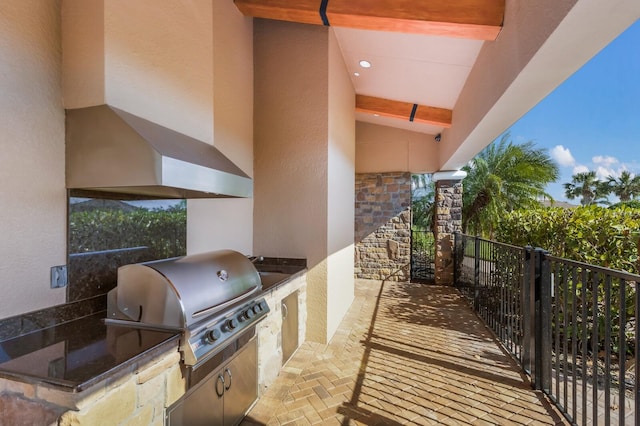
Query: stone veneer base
x=140 y=395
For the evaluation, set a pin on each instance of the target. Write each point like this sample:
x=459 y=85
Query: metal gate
x=422 y=256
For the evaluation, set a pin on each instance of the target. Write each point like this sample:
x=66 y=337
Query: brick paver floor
x=404 y=354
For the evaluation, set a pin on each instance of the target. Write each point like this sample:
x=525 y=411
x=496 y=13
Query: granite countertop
x=275 y=271
x=78 y=354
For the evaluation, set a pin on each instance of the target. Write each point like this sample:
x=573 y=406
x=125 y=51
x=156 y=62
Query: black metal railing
x=572 y=326
x=422 y=256
x=594 y=342
x=491 y=275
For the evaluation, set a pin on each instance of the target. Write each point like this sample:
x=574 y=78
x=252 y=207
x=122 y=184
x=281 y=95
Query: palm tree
x=587 y=186
x=422 y=201
x=420 y=181
x=626 y=187
x=503 y=177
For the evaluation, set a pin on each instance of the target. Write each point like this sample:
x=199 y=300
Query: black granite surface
x=280 y=265
x=29 y=322
x=95 y=273
x=277 y=271
x=75 y=355
x=69 y=346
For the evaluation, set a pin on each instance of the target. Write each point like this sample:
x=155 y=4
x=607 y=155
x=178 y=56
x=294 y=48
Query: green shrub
x=163 y=231
x=590 y=234
x=632 y=204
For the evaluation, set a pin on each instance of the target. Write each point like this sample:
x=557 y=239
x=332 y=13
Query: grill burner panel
x=207 y=339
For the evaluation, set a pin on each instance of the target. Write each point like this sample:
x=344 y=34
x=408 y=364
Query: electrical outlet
x=58 y=276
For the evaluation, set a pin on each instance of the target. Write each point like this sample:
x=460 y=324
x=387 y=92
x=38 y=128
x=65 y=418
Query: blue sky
x=592 y=120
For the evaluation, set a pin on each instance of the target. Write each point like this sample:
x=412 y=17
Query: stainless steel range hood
x=111 y=151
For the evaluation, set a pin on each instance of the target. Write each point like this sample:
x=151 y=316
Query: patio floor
x=404 y=354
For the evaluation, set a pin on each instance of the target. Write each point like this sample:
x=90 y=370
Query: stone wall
x=448 y=221
x=138 y=396
x=383 y=226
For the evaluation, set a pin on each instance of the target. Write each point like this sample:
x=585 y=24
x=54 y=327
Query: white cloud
x=580 y=169
x=563 y=156
x=603 y=173
x=605 y=160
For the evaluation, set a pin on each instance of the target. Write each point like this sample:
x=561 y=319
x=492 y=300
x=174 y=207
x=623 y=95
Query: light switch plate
x=58 y=276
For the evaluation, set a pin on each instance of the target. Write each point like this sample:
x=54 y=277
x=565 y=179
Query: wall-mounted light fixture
x=438 y=137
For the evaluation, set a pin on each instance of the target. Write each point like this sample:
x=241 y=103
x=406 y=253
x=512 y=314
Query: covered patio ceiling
x=465 y=69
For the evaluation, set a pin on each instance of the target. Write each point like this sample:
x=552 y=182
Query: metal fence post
x=528 y=309
x=636 y=345
x=542 y=321
x=456 y=257
x=476 y=274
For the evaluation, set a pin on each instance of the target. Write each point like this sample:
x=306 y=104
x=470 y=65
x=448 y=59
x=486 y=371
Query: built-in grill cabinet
x=215 y=300
x=224 y=395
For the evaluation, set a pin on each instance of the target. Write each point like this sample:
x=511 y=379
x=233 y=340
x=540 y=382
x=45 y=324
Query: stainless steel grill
x=212 y=298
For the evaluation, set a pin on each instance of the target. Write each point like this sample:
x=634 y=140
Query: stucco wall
x=290 y=142
x=33 y=225
x=341 y=189
x=83 y=53
x=228 y=223
x=186 y=65
x=304 y=162
x=151 y=54
x=381 y=149
x=291 y=152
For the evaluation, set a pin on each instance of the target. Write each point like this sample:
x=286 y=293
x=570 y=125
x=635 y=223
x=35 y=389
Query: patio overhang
x=542 y=44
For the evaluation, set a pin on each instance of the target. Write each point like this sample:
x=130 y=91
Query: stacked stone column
x=448 y=220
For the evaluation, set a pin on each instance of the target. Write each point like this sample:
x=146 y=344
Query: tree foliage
x=422 y=202
x=503 y=177
x=625 y=187
x=588 y=188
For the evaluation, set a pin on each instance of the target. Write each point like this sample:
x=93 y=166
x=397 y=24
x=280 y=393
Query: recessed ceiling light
x=376 y=115
x=365 y=64
x=357 y=74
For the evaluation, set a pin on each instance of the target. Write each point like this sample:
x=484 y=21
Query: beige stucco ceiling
x=415 y=68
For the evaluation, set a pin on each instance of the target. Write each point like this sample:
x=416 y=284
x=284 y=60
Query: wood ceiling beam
x=404 y=110
x=474 y=19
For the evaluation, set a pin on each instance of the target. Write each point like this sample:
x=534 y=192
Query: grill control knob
x=259 y=307
x=212 y=335
x=246 y=315
x=231 y=324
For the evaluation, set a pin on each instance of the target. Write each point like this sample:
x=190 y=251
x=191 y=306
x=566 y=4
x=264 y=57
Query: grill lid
x=182 y=291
